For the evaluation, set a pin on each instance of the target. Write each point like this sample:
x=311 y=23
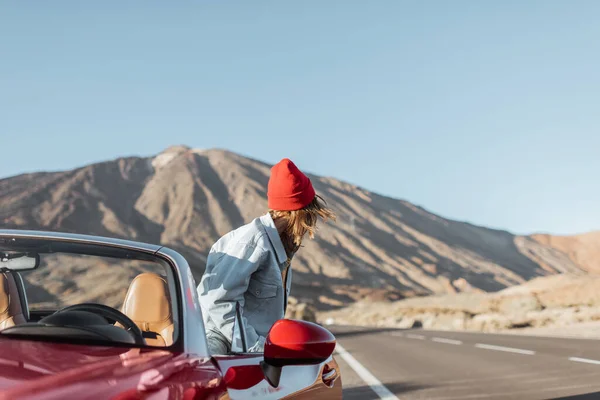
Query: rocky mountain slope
x=380 y=248
x=583 y=249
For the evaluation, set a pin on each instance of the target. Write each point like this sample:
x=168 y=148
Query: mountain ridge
x=184 y=198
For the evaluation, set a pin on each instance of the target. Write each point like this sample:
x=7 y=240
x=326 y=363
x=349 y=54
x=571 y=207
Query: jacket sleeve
x=224 y=283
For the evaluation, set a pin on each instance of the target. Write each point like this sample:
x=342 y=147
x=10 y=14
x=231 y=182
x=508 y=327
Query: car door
x=244 y=374
x=320 y=381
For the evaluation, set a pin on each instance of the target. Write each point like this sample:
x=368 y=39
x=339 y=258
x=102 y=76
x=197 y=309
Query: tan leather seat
x=11 y=312
x=148 y=304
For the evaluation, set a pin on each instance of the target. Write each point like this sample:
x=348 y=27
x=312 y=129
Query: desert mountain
x=380 y=247
x=583 y=249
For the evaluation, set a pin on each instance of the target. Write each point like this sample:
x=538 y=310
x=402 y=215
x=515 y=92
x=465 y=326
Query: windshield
x=135 y=283
x=64 y=279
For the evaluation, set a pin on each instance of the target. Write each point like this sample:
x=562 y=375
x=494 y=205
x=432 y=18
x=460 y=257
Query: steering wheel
x=113 y=314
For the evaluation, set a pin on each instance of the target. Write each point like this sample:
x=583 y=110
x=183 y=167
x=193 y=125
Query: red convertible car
x=86 y=317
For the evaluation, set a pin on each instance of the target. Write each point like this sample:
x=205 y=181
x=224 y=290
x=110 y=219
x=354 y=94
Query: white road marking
x=584 y=360
x=507 y=349
x=447 y=341
x=418 y=337
x=365 y=375
x=399 y=334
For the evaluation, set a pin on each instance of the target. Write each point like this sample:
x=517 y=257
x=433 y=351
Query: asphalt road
x=416 y=364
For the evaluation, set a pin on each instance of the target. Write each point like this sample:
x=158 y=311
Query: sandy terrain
x=555 y=305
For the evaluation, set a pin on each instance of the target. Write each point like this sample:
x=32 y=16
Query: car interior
x=13 y=301
x=147 y=303
x=146 y=317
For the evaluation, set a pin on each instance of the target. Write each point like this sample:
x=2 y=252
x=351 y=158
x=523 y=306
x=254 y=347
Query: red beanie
x=289 y=189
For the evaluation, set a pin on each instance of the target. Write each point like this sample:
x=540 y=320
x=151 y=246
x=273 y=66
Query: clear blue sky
x=477 y=110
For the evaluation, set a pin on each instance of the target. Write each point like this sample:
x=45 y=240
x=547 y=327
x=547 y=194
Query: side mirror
x=294 y=342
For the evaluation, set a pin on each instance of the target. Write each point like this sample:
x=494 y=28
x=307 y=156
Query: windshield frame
x=56 y=243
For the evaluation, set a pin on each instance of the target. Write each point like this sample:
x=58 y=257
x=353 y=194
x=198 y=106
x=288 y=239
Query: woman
x=251 y=265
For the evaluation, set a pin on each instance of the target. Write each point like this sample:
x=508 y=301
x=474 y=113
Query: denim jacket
x=245 y=266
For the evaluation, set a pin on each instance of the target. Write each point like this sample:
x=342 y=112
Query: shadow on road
x=366 y=393
x=586 y=396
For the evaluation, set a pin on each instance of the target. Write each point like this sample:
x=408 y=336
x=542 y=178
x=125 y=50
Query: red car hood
x=34 y=369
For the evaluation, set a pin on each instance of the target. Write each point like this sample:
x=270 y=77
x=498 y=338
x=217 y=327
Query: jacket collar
x=271 y=230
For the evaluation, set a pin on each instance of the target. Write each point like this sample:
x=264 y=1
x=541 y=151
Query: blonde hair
x=301 y=222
